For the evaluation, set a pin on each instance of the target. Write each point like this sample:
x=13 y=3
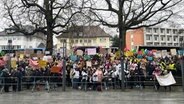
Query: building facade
x=154 y=36
x=20 y=41
x=84 y=36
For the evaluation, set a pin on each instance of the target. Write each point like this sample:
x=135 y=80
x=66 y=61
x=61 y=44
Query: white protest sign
x=166 y=80
x=91 y=51
x=173 y=52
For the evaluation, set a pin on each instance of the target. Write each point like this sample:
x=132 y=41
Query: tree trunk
x=49 y=20
x=122 y=37
x=49 y=42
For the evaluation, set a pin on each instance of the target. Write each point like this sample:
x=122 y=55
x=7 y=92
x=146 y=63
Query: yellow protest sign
x=117 y=54
x=42 y=63
x=21 y=56
x=13 y=63
x=129 y=53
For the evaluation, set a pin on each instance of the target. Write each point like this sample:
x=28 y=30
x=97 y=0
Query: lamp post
x=64 y=65
x=181 y=61
x=9 y=57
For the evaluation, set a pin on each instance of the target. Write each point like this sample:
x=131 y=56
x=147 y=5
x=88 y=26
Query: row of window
x=162 y=44
x=6 y=47
x=161 y=30
x=162 y=38
x=6 y=39
x=84 y=40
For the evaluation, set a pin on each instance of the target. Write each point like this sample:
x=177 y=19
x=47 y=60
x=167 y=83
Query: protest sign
x=21 y=56
x=166 y=80
x=88 y=64
x=73 y=58
x=164 y=53
x=173 y=52
x=79 y=52
x=42 y=63
x=150 y=58
x=55 y=69
x=13 y=63
x=91 y=51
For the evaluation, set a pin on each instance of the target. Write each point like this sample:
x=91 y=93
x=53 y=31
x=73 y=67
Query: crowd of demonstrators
x=104 y=71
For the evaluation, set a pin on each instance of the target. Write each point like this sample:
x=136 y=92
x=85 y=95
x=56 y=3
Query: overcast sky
x=177 y=20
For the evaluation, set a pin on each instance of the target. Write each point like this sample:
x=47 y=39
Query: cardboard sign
x=88 y=64
x=173 y=52
x=55 y=69
x=79 y=52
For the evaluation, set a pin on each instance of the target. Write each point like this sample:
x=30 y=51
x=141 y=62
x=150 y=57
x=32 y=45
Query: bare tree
x=130 y=14
x=46 y=16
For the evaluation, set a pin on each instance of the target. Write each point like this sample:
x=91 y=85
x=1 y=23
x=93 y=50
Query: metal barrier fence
x=51 y=82
x=137 y=81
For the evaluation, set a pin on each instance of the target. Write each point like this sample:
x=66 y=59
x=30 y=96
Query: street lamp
x=9 y=57
x=181 y=61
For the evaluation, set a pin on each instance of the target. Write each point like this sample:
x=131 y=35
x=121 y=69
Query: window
x=162 y=30
x=156 y=44
x=169 y=44
x=76 y=41
x=168 y=38
x=72 y=41
x=18 y=47
x=156 y=37
x=155 y=30
x=174 y=31
x=85 y=41
x=162 y=38
x=148 y=30
x=149 y=43
x=80 y=41
x=168 y=31
x=163 y=44
x=89 y=41
x=148 y=37
x=175 y=38
x=176 y=44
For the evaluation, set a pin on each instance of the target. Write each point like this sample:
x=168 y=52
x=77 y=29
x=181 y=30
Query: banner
x=166 y=80
x=91 y=51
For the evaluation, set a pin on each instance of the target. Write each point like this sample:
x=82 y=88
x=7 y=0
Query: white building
x=155 y=36
x=20 y=41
